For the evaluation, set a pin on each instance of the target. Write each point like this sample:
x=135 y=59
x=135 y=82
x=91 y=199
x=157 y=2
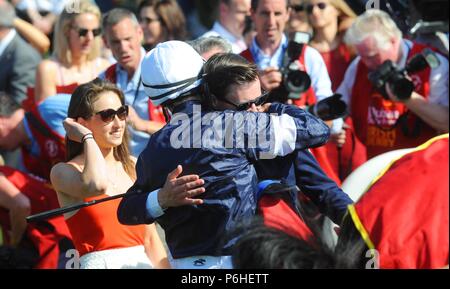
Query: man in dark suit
x=18 y=62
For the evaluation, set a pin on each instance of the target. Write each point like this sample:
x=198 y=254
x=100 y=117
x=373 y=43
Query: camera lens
x=297 y=81
x=402 y=88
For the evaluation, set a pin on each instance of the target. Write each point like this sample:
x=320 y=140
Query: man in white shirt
x=231 y=23
x=270 y=44
x=123 y=35
x=269 y=47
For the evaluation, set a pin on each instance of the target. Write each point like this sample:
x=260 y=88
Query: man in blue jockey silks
x=172 y=75
x=224 y=76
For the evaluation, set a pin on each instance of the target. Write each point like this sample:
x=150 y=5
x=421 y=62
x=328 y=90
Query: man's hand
x=264 y=108
x=179 y=191
x=339 y=138
x=270 y=78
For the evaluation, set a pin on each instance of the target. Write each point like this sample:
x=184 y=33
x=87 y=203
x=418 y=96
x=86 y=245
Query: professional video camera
x=402 y=87
x=295 y=79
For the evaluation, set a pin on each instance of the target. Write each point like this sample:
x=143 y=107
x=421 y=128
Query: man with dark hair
x=123 y=35
x=268 y=51
x=270 y=44
x=172 y=76
x=226 y=75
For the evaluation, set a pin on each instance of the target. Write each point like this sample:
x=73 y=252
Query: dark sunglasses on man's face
x=82 y=32
x=108 y=115
x=260 y=100
x=310 y=7
x=298 y=8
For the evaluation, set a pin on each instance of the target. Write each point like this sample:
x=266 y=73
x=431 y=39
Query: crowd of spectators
x=90 y=89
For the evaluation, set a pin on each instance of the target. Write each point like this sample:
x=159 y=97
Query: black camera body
x=401 y=86
x=388 y=72
x=295 y=80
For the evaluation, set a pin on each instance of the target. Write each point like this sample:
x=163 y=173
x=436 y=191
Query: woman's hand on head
x=75 y=130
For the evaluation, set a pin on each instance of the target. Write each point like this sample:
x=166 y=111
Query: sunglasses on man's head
x=260 y=100
x=108 y=115
x=82 y=32
x=298 y=8
x=320 y=5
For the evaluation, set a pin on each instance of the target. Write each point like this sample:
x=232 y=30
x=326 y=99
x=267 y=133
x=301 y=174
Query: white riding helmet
x=169 y=70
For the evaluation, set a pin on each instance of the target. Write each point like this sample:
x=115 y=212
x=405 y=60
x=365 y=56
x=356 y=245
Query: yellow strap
x=418 y=148
x=360 y=227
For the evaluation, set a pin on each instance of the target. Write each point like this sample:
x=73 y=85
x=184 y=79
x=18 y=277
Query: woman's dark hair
x=171 y=17
x=222 y=71
x=81 y=105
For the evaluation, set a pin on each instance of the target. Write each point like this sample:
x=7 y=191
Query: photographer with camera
x=291 y=70
x=269 y=50
x=396 y=90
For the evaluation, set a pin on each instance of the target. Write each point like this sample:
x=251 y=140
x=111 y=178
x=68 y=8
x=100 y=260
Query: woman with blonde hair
x=330 y=20
x=76 y=55
x=99 y=165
